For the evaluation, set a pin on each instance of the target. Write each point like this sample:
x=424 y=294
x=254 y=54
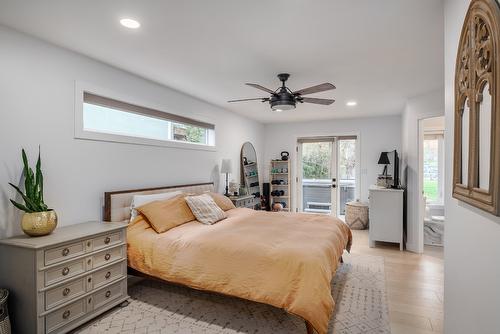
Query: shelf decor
x=280 y=184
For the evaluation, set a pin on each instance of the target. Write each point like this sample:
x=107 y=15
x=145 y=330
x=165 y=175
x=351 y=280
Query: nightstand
x=245 y=201
x=60 y=281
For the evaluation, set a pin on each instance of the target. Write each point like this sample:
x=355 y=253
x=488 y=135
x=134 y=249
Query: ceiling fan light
x=282 y=102
x=282 y=107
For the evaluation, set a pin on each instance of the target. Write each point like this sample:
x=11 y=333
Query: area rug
x=358 y=289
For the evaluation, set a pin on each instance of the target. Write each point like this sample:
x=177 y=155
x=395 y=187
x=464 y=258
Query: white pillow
x=139 y=200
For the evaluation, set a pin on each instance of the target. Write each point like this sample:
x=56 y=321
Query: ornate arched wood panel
x=478 y=138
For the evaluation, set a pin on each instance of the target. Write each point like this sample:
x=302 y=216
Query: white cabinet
x=386 y=215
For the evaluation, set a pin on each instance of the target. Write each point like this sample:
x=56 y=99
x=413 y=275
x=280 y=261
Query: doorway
x=431 y=181
x=326 y=178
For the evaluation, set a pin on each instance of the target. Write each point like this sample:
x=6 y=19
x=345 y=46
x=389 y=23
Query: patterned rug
x=358 y=289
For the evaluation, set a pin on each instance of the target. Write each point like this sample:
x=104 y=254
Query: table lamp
x=226 y=169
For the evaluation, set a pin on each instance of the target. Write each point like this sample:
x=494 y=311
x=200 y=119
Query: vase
x=36 y=224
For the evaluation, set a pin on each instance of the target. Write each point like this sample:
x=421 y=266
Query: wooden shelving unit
x=280 y=171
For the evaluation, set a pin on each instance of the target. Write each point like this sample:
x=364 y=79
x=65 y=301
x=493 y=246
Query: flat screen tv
x=393 y=168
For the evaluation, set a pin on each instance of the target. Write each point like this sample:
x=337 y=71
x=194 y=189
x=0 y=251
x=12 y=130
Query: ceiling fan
x=284 y=99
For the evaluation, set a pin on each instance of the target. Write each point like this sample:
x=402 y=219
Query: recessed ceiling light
x=130 y=23
x=351 y=103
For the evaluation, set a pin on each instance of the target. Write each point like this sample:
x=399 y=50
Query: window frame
x=147 y=110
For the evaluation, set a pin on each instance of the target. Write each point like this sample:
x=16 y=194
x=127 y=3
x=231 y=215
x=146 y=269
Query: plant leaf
x=38 y=175
x=29 y=203
x=20 y=206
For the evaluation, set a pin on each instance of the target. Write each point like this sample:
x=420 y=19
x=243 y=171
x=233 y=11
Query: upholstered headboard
x=117 y=203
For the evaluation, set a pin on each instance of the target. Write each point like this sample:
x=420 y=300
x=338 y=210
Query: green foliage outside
x=347 y=159
x=189 y=133
x=195 y=134
x=431 y=189
x=316 y=160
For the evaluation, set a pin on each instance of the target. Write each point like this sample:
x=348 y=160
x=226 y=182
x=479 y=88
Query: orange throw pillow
x=222 y=201
x=167 y=214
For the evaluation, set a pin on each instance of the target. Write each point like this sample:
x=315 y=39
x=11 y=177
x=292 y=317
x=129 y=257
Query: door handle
x=334 y=185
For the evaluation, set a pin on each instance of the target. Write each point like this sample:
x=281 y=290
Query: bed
x=283 y=259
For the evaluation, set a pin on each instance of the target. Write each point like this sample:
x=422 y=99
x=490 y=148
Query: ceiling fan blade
x=263 y=99
x=315 y=89
x=325 y=102
x=260 y=87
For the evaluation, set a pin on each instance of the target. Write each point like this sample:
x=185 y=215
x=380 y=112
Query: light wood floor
x=414 y=285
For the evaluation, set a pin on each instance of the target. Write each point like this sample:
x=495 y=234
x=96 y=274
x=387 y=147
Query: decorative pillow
x=222 y=201
x=139 y=200
x=205 y=209
x=167 y=214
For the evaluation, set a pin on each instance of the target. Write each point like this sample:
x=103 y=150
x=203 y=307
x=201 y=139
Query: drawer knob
x=107 y=240
x=108 y=275
x=107 y=257
x=90 y=300
x=89 y=279
x=89 y=244
x=66 y=314
x=108 y=293
x=89 y=261
x=65 y=271
x=65 y=251
x=66 y=292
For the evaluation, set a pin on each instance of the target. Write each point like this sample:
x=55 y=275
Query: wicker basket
x=356 y=215
x=4 y=314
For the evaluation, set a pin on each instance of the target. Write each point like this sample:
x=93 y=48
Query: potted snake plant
x=37 y=219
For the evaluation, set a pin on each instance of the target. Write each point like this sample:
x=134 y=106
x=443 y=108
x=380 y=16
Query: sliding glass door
x=326 y=174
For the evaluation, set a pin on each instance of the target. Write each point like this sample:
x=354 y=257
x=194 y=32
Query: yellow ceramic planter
x=36 y=224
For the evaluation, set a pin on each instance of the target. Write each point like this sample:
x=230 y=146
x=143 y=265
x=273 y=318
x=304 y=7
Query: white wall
x=472 y=238
x=376 y=135
x=417 y=108
x=37 y=107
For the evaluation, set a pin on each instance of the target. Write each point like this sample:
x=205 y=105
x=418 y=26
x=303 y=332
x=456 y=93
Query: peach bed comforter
x=283 y=259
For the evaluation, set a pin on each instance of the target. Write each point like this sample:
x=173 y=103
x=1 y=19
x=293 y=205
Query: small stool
x=4 y=313
x=356 y=215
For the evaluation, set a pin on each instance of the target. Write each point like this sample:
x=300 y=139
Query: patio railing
x=316 y=195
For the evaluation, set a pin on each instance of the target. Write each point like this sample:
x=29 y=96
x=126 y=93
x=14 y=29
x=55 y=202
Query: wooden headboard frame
x=109 y=196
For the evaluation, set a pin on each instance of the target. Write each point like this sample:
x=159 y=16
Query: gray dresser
x=245 y=201
x=60 y=281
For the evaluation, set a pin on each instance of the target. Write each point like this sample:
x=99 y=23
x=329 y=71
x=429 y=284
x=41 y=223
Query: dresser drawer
x=106 y=240
x=102 y=258
x=64 y=271
x=249 y=202
x=64 y=293
x=60 y=253
x=64 y=315
x=108 y=274
x=109 y=294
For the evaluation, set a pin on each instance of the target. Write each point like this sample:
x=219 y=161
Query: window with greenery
x=433 y=168
x=347 y=159
x=316 y=160
x=111 y=117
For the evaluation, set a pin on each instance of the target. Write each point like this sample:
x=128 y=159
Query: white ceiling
x=378 y=53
